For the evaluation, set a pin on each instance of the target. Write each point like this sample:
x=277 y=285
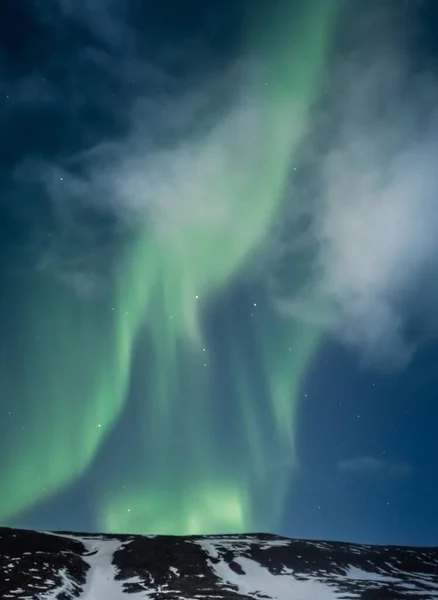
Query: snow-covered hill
x=62 y=566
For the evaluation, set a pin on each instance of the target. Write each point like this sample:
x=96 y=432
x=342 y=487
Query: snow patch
x=101 y=581
x=257 y=581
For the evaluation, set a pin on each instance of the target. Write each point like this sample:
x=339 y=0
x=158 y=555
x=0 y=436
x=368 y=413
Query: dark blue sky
x=300 y=397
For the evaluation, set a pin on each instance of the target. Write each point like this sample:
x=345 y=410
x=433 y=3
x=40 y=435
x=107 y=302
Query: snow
x=101 y=583
x=66 y=586
x=355 y=573
x=257 y=581
x=227 y=564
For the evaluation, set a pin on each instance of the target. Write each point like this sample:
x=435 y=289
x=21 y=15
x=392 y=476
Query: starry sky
x=218 y=276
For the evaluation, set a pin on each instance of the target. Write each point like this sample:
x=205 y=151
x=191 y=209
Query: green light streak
x=66 y=379
x=198 y=261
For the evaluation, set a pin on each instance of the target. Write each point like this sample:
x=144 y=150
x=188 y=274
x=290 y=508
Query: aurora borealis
x=210 y=200
x=217 y=270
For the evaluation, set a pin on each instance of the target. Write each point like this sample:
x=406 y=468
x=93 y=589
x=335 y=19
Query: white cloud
x=373 y=466
x=373 y=275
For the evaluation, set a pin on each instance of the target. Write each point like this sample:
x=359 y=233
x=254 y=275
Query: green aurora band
x=69 y=366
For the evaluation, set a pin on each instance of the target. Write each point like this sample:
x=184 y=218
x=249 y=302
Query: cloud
x=372 y=242
x=363 y=267
x=169 y=154
x=107 y=20
x=374 y=466
x=155 y=153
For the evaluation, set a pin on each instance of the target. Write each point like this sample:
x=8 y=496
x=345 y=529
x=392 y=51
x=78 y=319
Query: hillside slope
x=63 y=566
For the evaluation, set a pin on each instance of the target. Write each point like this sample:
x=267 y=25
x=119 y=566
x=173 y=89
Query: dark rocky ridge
x=65 y=566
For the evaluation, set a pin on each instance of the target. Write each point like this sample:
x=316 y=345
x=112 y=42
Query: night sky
x=219 y=267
